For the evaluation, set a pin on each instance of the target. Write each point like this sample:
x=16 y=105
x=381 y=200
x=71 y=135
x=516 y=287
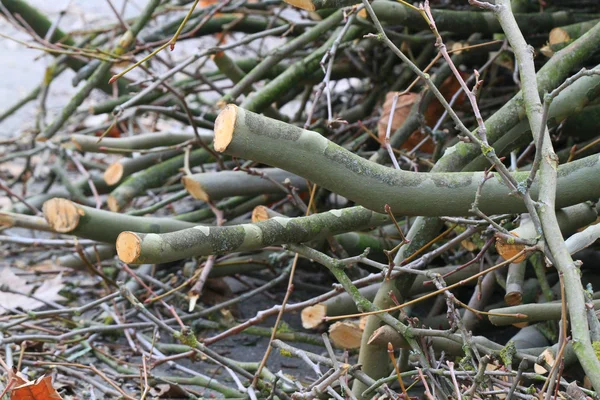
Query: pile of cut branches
x=307 y=199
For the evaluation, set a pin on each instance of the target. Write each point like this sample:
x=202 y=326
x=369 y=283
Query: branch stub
x=224 y=126
x=128 y=247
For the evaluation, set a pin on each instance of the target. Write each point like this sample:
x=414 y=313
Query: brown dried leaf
x=401 y=112
x=40 y=389
x=435 y=109
x=509 y=250
x=167 y=391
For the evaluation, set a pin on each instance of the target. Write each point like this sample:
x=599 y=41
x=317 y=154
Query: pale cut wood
x=128 y=247
x=195 y=189
x=61 y=214
x=346 y=334
x=303 y=4
x=224 y=125
x=113 y=204
x=557 y=36
x=312 y=316
x=549 y=358
x=114 y=173
x=362 y=322
x=513 y=298
x=260 y=213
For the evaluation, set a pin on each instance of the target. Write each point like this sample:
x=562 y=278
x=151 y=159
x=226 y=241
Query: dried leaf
x=509 y=250
x=401 y=112
x=167 y=391
x=40 y=389
x=403 y=106
x=48 y=291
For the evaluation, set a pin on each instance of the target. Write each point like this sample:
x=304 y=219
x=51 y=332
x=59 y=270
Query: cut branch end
x=128 y=247
x=303 y=4
x=114 y=173
x=195 y=189
x=224 y=126
x=313 y=316
x=346 y=334
x=113 y=204
x=62 y=215
x=513 y=298
x=260 y=213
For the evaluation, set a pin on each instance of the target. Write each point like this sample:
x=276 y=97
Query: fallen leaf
x=401 y=112
x=403 y=106
x=509 y=250
x=168 y=391
x=48 y=291
x=40 y=389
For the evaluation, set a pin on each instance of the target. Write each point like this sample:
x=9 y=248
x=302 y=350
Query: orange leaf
x=401 y=112
x=40 y=389
x=509 y=250
x=433 y=112
x=114 y=132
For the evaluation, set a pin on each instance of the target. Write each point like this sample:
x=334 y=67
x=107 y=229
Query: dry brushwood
x=372 y=198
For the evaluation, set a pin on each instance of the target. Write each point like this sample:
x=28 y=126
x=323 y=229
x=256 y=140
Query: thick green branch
x=140 y=248
x=241 y=133
x=64 y=216
x=466 y=22
x=87 y=143
x=151 y=177
x=548 y=197
x=211 y=186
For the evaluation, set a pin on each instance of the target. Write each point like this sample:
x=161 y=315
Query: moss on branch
x=141 y=248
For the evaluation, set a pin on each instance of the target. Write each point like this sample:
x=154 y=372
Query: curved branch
x=242 y=133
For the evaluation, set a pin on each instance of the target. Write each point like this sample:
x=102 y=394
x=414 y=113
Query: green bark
x=552 y=74
x=211 y=186
x=530 y=313
x=103 y=226
x=280 y=53
x=144 y=141
x=152 y=177
x=570 y=101
x=204 y=240
x=464 y=23
x=458 y=156
x=371 y=185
